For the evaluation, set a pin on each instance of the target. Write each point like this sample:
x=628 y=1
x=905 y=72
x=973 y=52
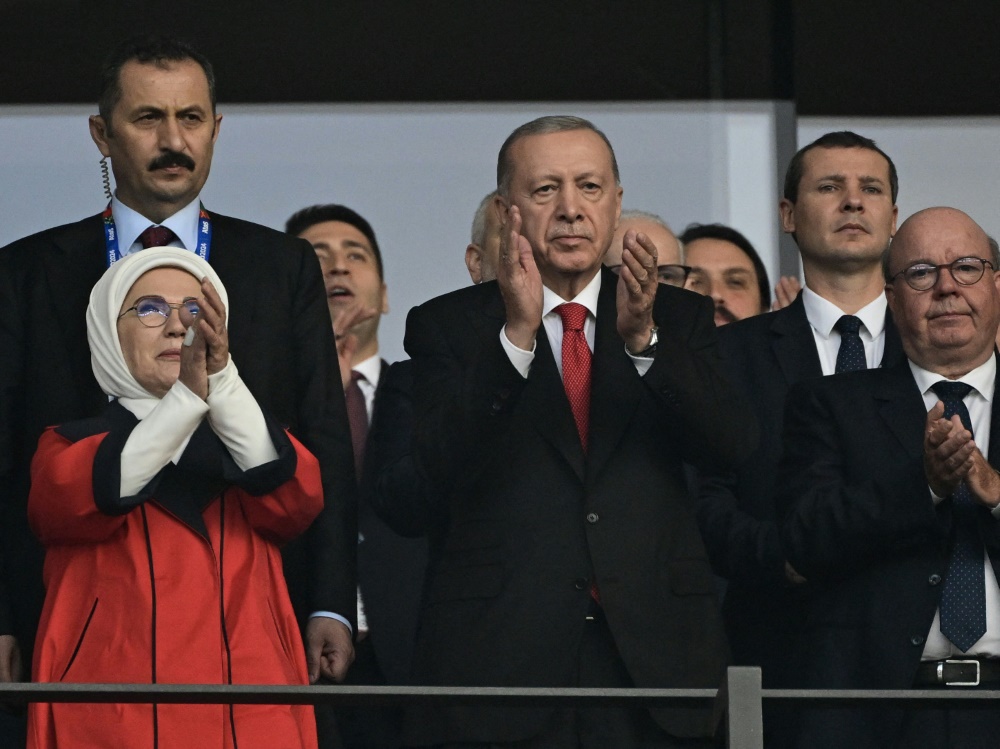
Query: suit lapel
x=615 y=388
x=902 y=408
x=71 y=273
x=793 y=344
x=892 y=352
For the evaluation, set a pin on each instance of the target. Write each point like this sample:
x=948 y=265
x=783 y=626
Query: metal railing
x=737 y=703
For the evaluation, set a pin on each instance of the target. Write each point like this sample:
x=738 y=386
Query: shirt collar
x=587 y=297
x=982 y=378
x=823 y=314
x=371 y=368
x=130 y=224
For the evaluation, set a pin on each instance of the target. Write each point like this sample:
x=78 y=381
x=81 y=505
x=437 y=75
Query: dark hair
x=728 y=234
x=317 y=214
x=158 y=50
x=839 y=139
x=545 y=126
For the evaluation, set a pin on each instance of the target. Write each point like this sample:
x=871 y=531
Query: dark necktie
x=851 y=354
x=357 y=416
x=156 y=236
x=576 y=365
x=963 y=597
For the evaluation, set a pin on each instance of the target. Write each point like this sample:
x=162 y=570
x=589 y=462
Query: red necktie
x=156 y=236
x=357 y=417
x=576 y=365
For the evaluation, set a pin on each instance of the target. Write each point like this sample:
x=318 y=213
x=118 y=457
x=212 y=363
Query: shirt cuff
x=520 y=358
x=331 y=615
x=641 y=363
x=935 y=498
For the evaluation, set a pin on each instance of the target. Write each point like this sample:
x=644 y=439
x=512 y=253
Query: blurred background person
x=669 y=269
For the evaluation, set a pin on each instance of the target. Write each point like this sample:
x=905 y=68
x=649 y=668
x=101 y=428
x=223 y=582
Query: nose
x=945 y=283
x=568 y=208
x=853 y=198
x=170 y=137
x=173 y=326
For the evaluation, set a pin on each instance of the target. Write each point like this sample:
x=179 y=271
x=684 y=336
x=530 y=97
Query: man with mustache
x=158 y=124
x=726 y=267
x=891 y=501
x=554 y=409
x=840 y=206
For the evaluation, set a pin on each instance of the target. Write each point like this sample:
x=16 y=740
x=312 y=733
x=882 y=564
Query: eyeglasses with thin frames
x=154 y=311
x=672 y=274
x=923 y=276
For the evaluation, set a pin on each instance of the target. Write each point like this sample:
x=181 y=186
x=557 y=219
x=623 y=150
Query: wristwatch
x=650 y=349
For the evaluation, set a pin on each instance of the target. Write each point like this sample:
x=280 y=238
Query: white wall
x=416 y=172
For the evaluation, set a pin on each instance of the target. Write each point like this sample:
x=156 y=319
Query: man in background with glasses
x=668 y=265
x=839 y=204
x=891 y=499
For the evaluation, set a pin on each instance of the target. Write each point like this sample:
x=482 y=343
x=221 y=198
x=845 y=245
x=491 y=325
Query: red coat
x=136 y=597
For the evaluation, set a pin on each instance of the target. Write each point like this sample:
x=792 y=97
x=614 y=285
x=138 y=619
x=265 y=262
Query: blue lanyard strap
x=114 y=254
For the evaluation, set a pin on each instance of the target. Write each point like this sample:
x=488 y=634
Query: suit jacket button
x=580 y=583
x=934 y=579
x=592 y=517
x=917 y=640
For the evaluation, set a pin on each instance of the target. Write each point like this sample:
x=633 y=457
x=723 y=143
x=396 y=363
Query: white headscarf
x=106 y=301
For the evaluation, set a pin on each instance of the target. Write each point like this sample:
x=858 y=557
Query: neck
x=154 y=210
x=567 y=286
x=849 y=291
x=366 y=349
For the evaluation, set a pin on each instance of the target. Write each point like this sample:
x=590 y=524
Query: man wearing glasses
x=893 y=501
x=839 y=204
x=668 y=269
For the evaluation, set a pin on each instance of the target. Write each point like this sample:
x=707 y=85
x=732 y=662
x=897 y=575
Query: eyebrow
x=840 y=178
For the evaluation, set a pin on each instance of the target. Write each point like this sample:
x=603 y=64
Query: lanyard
x=111 y=235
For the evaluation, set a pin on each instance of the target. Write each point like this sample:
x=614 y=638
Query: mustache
x=171 y=158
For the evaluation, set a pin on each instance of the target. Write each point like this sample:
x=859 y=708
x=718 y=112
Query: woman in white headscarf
x=161 y=521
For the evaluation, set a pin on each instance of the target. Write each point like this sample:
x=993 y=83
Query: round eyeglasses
x=672 y=275
x=966 y=271
x=154 y=311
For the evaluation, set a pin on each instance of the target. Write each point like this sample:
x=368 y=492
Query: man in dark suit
x=893 y=507
x=158 y=125
x=840 y=205
x=572 y=556
x=390 y=568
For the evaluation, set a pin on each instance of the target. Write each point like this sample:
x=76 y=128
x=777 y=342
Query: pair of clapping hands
x=206 y=345
x=951 y=456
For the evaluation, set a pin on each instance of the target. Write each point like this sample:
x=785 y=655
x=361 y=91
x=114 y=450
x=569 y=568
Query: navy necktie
x=963 y=597
x=851 y=354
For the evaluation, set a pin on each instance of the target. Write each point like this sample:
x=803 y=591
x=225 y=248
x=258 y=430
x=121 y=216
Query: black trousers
x=599 y=665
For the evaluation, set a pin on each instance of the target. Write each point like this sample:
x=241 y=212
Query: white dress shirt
x=130 y=224
x=552 y=323
x=979 y=402
x=371 y=368
x=823 y=315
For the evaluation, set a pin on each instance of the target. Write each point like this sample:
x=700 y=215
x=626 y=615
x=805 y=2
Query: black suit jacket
x=765 y=356
x=862 y=528
x=391 y=568
x=281 y=341
x=533 y=519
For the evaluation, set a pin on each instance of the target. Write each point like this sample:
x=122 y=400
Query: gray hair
x=479 y=220
x=546 y=126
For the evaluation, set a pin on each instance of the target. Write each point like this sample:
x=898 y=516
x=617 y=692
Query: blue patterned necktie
x=851 y=354
x=963 y=597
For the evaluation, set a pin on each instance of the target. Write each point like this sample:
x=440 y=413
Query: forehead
x=167 y=282
x=940 y=239
x=328 y=235
x=180 y=83
x=567 y=153
x=716 y=253
x=857 y=162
